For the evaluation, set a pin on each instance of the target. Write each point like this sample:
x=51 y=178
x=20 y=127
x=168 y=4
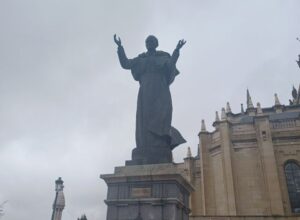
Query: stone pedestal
x=153 y=155
x=147 y=192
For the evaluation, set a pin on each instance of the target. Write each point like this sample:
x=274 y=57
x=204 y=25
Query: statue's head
x=151 y=42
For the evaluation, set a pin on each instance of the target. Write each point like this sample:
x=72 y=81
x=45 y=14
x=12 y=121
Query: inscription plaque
x=140 y=192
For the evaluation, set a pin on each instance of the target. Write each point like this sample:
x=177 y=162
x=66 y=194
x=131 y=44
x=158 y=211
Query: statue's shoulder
x=159 y=53
x=142 y=55
x=162 y=53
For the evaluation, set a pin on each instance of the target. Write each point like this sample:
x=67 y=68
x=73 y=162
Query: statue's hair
x=155 y=38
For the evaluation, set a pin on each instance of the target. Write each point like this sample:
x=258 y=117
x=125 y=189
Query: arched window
x=292 y=173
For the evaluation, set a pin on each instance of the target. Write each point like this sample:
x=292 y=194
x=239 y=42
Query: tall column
x=204 y=160
x=228 y=173
x=59 y=201
x=189 y=168
x=266 y=148
x=189 y=165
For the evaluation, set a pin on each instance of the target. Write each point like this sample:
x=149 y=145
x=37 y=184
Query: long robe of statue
x=155 y=72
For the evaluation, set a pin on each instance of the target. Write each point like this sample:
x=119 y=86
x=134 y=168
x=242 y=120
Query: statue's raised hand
x=180 y=44
x=117 y=40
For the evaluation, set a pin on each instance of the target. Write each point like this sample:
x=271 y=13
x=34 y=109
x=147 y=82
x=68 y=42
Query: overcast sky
x=68 y=108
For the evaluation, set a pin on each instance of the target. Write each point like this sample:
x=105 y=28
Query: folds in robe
x=155 y=73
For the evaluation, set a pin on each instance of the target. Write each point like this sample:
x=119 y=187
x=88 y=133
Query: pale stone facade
x=239 y=172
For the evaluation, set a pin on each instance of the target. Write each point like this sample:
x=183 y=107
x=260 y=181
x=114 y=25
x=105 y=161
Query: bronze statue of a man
x=155 y=70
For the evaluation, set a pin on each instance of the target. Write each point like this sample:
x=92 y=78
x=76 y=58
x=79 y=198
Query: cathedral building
x=249 y=166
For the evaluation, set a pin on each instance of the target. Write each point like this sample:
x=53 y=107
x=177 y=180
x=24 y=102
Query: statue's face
x=151 y=43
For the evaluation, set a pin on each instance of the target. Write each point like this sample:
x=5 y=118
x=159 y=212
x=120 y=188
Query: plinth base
x=152 y=155
x=147 y=192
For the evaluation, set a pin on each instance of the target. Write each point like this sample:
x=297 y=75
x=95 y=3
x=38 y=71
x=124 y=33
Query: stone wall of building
x=239 y=172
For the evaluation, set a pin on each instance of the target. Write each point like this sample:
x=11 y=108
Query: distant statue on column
x=298 y=61
x=59 y=201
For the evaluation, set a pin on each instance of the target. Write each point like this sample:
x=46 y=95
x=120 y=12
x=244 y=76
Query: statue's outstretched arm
x=175 y=54
x=124 y=61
